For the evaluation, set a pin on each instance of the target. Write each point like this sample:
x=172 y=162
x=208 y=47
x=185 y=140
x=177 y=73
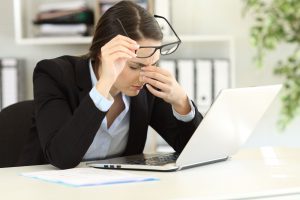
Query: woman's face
x=128 y=81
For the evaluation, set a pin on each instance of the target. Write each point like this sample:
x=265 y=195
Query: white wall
x=189 y=17
x=225 y=17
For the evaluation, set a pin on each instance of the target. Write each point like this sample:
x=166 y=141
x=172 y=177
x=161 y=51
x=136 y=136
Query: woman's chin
x=131 y=93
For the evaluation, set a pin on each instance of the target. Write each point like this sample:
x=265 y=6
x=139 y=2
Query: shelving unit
x=207 y=47
x=193 y=46
x=24 y=13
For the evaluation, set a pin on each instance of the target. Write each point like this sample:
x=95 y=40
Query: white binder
x=204 y=84
x=186 y=76
x=169 y=65
x=221 y=75
x=9 y=81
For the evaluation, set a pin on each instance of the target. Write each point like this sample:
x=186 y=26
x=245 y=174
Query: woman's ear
x=98 y=58
x=99 y=55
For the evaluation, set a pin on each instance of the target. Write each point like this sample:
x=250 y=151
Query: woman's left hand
x=162 y=84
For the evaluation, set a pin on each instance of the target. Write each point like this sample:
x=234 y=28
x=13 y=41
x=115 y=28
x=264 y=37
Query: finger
x=126 y=44
x=118 y=55
x=119 y=41
x=159 y=85
x=156 y=76
x=160 y=70
x=120 y=49
x=122 y=37
x=155 y=92
x=113 y=46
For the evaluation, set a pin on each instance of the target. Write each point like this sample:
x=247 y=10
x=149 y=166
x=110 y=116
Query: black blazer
x=67 y=119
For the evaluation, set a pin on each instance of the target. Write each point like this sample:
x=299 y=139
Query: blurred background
x=214 y=34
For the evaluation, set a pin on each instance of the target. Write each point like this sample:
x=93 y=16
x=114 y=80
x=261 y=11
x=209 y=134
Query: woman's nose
x=140 y=79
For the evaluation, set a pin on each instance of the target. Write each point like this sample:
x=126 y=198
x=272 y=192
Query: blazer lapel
x=138 y=124
x=138 y=109
x=83 y=77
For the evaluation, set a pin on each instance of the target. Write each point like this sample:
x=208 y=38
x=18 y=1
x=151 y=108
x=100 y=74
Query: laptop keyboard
x=155 y=160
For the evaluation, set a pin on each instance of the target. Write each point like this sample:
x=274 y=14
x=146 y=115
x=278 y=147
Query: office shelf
x=25 y=11
x=54 y=40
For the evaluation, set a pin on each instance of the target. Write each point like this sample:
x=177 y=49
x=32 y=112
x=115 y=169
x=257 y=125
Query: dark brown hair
x=137 y=21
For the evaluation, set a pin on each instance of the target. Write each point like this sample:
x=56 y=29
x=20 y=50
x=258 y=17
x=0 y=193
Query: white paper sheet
x=88 y=177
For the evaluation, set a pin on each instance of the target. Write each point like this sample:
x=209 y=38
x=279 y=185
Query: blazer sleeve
x=65 y=132
x=176 y=132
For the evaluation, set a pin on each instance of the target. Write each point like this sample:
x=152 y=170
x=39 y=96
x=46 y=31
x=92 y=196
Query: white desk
x=267 y=172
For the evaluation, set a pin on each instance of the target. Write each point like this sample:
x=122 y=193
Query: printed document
x=88 y=176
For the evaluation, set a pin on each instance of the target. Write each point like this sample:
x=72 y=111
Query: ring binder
x=11 y=81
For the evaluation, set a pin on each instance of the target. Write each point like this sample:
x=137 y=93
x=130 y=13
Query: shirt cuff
x=102 y=103
x=185 y=118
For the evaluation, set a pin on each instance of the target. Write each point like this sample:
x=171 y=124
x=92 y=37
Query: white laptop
x=226 y=126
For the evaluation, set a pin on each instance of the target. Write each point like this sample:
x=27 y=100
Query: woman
x=100 y=105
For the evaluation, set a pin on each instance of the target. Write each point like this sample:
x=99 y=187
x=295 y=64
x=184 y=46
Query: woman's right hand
x=114 y=56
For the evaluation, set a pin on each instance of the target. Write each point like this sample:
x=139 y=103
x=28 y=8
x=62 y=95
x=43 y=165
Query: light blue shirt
x=112 y=141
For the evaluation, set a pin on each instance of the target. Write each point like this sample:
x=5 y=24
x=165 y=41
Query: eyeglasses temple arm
x=122 y=27
x=169 y=25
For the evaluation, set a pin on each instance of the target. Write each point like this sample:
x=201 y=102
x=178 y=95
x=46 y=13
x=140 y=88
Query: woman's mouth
x=137 y=87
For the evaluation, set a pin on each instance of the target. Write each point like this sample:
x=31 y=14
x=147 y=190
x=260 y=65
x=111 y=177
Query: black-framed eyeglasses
x=165 y=49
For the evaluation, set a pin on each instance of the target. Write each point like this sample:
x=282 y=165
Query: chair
x=19 y=143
